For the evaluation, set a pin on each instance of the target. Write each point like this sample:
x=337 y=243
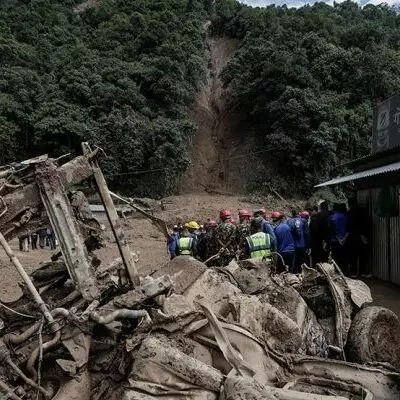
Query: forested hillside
x=119 y=75
x=307 y=80
x=122 y=75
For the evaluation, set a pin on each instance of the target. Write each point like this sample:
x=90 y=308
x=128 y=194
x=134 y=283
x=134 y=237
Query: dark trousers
x=357 y=255
x=52 y=241
x=340 y=256
x=288 y=259
x=34 y=242
x=42 y=241
x=300 y=258
x=318 y=254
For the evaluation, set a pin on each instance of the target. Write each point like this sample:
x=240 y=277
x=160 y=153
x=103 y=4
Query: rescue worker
x=224 y=237
x=242 y=232
x=206 y=246
x=258 y=244
x=284 y=240
x=266 y=225
x=187 y=244
x=359 y=229
x=173 y=241
x=194 y=228
x=319 y=233
x=299 y=229
x=338 y=235
x=305 y=215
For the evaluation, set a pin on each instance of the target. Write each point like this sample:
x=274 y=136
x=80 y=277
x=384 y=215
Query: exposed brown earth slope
x=216 y=149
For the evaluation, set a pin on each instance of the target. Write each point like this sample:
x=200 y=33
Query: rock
x=214 y=289
x=176 y=305
x=183 y=272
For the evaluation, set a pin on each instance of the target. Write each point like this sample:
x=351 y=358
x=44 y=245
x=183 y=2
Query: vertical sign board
x=386 y=125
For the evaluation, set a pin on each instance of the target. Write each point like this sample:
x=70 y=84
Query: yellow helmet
x=192 y=225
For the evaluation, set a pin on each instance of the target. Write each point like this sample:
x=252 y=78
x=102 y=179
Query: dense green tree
x=306 y=81
x=120 y=75
x=123 y=73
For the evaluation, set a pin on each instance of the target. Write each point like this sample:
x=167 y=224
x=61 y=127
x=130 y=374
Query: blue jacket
x=284 y=238
x=173 y=243
x=268 y=229
x=299 y=228
x=338 y=226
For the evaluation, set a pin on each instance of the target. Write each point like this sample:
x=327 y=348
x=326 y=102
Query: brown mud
x=217 y=146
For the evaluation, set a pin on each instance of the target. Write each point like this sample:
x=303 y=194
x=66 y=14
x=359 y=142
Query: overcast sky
x=262 y=3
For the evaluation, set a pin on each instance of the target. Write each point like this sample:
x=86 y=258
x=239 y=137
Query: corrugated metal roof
x=363 y=174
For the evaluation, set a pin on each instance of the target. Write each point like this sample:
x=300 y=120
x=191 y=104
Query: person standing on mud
x=225 y=238
x=51 y=238
x=319 y=234
x=173 y=242
x=358 y=228
x=299 y=229
x=242 y=232
x=266 y=226
x=187 y=244
x=206 y=247
x=258 y=244
x=339 y=235
x=42 y=237
x=34 y=239
x=284 y=240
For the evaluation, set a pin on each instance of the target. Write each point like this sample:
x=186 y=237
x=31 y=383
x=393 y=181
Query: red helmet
x=225 y=214
x=305 y=214
x=276 y=215
x=211 y=223
x=243 y=214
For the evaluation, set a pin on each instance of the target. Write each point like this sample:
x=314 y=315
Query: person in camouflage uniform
x=207 y=245
x=225 y=239
x=242 y=232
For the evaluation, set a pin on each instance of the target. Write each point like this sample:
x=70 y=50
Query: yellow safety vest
x=185 y=246
x=259 y=245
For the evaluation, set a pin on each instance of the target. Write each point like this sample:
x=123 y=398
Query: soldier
x=242 y=232
x=207 y=245
x=225 y=238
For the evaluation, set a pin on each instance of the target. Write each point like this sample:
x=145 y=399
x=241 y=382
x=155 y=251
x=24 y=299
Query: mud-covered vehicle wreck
x=83 y=330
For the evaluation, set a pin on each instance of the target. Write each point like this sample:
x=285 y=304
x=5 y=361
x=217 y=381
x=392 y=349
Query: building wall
x=384 y=258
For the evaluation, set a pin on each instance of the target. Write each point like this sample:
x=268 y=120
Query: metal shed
x=371 y=175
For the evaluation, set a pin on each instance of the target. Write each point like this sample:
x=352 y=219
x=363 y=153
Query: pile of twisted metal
x=84 y=330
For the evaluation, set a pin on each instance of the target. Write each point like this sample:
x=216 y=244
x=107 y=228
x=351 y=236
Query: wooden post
x=32 y=289
x=113 y=218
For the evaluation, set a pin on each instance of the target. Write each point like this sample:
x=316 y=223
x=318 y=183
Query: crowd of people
x=41 y=238
x=305 y=237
